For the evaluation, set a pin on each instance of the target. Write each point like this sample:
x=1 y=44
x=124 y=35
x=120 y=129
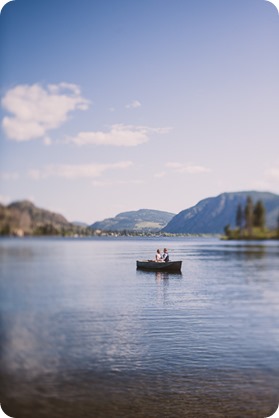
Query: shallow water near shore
x=84 y=334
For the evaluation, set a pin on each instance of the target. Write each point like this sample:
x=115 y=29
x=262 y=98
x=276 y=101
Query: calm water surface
x=84 y=334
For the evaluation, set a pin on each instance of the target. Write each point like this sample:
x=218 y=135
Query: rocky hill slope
x=24 y=218
x=211 y=215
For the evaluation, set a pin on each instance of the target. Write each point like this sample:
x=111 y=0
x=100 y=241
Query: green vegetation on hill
x=256 y=234
x=147 y=220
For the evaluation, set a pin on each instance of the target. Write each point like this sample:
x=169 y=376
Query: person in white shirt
x=158 y=256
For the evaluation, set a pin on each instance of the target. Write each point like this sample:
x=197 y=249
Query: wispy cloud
x=160 y=174
x=36 y=110
x=272 y=173
x=9 y=175
x=47 y=141
x=133 y=105
x=77 y=171
x=100 y=183
x=119 y=135
x=189 y=168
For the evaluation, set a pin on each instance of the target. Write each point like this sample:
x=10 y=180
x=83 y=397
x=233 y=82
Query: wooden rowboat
x=172 y=266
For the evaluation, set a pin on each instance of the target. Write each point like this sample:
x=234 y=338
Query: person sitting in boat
x=158 y=256
x=165 y=255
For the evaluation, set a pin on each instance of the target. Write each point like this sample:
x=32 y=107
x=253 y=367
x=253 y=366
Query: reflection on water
x=88 y=338
x=159 y=275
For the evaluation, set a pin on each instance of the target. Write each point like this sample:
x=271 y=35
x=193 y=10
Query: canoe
x=173 y=266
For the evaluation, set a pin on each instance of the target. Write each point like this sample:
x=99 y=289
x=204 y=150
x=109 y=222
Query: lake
x=85 y=334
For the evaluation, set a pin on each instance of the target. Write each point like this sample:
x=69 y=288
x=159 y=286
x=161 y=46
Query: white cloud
x=272 y=174
x=5 y=199
x=133 y=105
x=47 y=141
x=119 y=135
x=187 y=168
x=77 y=171
x=36 y=174
x=36 y=110
x=99 y=183
x=160 y=175
x=12 y=175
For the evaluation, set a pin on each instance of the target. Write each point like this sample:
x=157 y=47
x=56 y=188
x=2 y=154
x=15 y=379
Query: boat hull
x=172 y=266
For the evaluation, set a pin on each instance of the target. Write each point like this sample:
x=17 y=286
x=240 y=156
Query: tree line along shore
x=250 y=222
x=208 y=217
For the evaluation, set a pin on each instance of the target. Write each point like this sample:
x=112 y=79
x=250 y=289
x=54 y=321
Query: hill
x=211 y=215
x=24 y=218
x=140 y=220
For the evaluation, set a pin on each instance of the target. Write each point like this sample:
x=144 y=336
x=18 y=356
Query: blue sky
x=116 y=105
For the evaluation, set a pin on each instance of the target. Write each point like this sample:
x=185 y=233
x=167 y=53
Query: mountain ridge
x=208 y=216
x=212 y=214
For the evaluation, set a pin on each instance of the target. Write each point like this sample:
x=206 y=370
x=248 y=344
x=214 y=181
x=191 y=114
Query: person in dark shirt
x=165 y=255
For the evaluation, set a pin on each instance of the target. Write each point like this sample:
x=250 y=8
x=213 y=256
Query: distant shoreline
x=251 y=239
x=256 y=233
x=147 y=236
x=114 y=235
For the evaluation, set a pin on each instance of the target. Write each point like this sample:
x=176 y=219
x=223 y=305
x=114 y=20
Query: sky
x=110 y=106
